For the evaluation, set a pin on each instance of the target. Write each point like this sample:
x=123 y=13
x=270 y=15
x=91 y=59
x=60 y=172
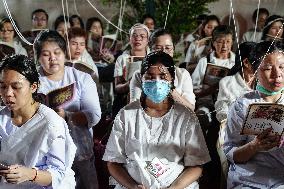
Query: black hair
x=59 y=20
x=40 y=10
x=260 y=11
x=157 y=33
x=201 y=18
x=90 y=22
x=50 y=36
x=263 y=48
x=23 y=65
x=208 y=19
x=145 y=16
x=245 y=52
x=268 y=23
x=158 y=57
x=79 y=18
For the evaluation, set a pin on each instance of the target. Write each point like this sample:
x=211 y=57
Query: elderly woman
x=81 y=108
x=161 y=40
x=8 y=35
x=257 y=161
x=35 y=142
x=240 y=80
x=156 y=133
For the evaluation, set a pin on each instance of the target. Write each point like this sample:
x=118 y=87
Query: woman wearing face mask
x=201 y=48
x=35 y=141
x=156 y=130
x=257 y=161
x=7 y=37
x=161 y=40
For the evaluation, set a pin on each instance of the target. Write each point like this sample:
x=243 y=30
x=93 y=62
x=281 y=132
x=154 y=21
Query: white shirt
x=249 y=36
x=199 y=72
x=43 y=142
x=194 y=53
x=230 y=88
x=175 y=138
x=183 y=84
x=17 y=45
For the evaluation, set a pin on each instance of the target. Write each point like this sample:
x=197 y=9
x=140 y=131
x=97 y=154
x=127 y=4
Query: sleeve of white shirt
x=186 y=88
x=115 y=148
x=233 y=138
x=118 y=69
x=89 y=101
x=223 y=100
x=135 y=86
x=196 y=152
x=199 y=72
x=190 y=52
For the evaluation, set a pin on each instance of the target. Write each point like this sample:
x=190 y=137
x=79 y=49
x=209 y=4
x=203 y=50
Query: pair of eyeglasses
x=164 y=49
x=136 y=36
x=8 y=31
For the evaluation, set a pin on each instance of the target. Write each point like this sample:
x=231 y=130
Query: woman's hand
x=140 y=187
x=17 y=174
x=265 y=141
x=107 y=56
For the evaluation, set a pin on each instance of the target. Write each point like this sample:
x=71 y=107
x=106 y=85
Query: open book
x=109 y=44
x=58 y=97
x=261 y=116
x=133 y=64
x=214 y=74
x=5 y=50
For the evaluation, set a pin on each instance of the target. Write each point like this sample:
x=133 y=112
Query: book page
x=263 y=116
x=133 y=64
x=214 y=74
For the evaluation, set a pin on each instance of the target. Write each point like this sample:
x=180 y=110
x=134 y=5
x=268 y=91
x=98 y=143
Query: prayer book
x=58 y=97
x=109 y=44
x=261 y=116
x=133 y=64
x=214 y=74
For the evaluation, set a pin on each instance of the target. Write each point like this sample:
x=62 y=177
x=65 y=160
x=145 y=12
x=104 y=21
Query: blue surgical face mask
x=156 y=90
x=263 y=90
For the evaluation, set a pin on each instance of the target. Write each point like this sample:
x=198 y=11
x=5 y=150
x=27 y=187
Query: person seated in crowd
x=239 y=81
x=148 y=21
x=59 y=25
x=161 y=40
x=139 y=37
x=259 y=17
x=8 y=37
x=202 y=47
x=257 y=161
x=196 y=34
x=37 y=150
x=79 y=105
x=273 y=29
x=76 y=21
x=156 y=133
x=39 y=19
x=78 y=53
x=104 y=60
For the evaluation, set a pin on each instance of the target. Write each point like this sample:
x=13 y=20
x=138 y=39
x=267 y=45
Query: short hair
x=260 y=11
x=157 y=33
x=158 y=57
x=208 y=19
x=76 y=32
x=79 y=18
x=21 y=64
x=49 y=36
x=90 y=22
x=59 y=20
x=40 y=10
x=201 y=18
x=145 y=16
x=222 y=30
x=245 y=52
x=268 y=23
x=266 y=47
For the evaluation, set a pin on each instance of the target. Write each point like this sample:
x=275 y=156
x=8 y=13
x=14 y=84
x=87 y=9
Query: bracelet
x=36 y=173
